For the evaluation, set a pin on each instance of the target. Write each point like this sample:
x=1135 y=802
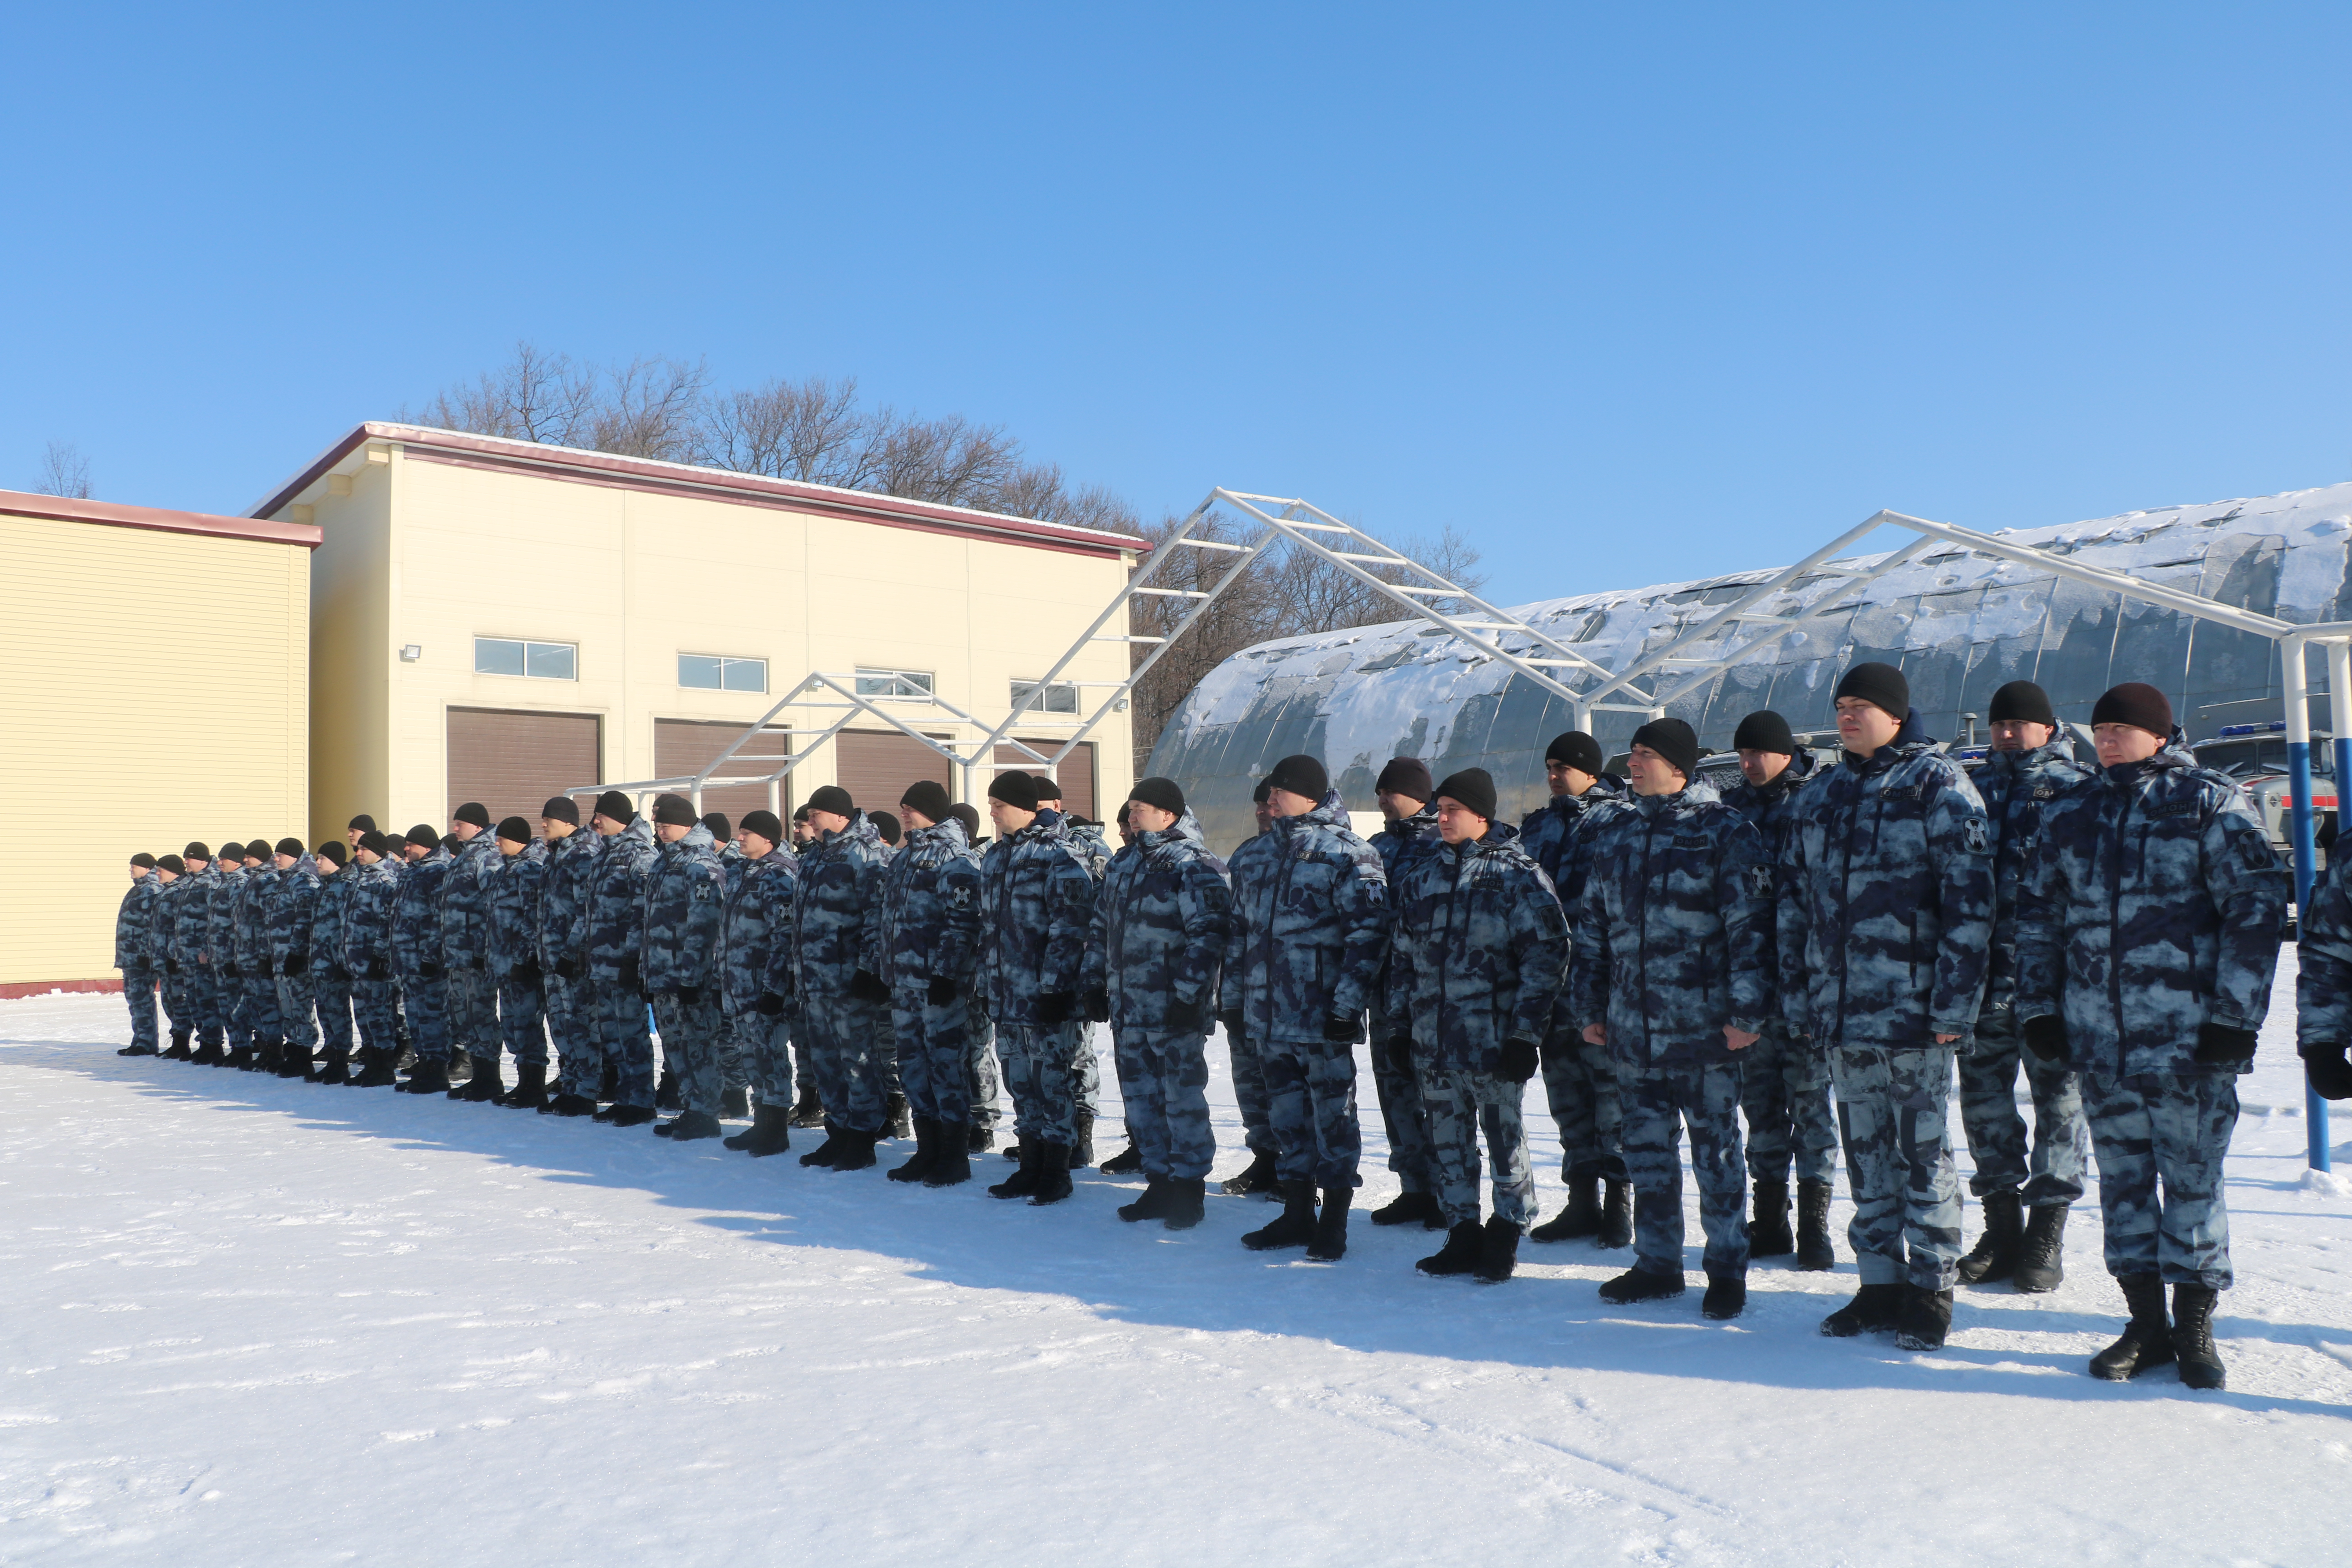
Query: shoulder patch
x=1759 y=880
x=2254 y=849
x=1979 y=835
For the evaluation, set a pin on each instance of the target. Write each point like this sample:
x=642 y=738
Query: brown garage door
x=687 y=745
x=875 y=769
x=512 y=762
x=1076 y=775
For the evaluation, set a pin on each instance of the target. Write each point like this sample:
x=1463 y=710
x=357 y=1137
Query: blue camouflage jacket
x=1547 y=833
x=1408 y=836
x=612 y=927
x=166 y=945
x=219 y=914
x=249 y=921
x=417 y=918
x=134 y=923
x=1770 y=808
x=1311 y=927
x=2154 y=904
x=2323 y=981
x=1674 y=934
x=293 y=909
x=926 y=925
x=1885 y=901
x=833 y=896
x=1158 y=928
x=685 y=902
x=326 y=921
x=1481 y=947
x=1036 y=903
x=369 y=911
x=2018 y=788
x=517 y=890
x=1086 y=842
x=563 y=902
x=755 y=945
x=466 y=902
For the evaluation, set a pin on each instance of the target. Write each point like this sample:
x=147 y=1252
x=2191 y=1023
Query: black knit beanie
x=1161 y=793
x=720 y=829
x=674 y=811
x=1016 y=790
x=969 y=815
x=766 y=825
x=425 y=836
x=231 y=853
x=1407 y=776
x=258 y=849
x=1764 y=730
x=376 y=843
x=1577 y=749
x=886 y=824
x=514 y=830
x=290 y=844
x=473 y=811
x=2022 y=702
x=2136 y=703
x=928 y=796
x=1302 y=775
x=1880 y=685
x=561 y=808
x=332 y=849
x=143 y=860
x=1049 y=789
x=832 y=798
x=1258 y=796
x=364 y=822
x=198 y=850
x=172 y=864
x=1473 y=787
x=1672 y=740
x=615 y=805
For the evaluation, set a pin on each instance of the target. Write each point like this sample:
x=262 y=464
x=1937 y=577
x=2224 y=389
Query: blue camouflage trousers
x=845 y=1039
x=255 y=1018
x=1163 y=1082
x=618 y=1014
x=473 y=1011
x=375 y=1007
x=1659 y=1102
x=298 y=1013
x=736 y=1060
x=208 y=1001
x=1894 y=1110
x=1038 y=1059
x=1404 y=1116
x=1580 y=1090
x=934 y=1054
x=981 y=1072
x=1310 y=1088
x=425 y=1005
x=332 y=992
x=2054 y=1177
x=2171 y=1131
x=689 y=1040
x=1086 y=1072
x=1460 y=1103
x=139 y=993
x=1785 y=1094
x=179 y=1008
x=1250 y=1093
x=764 y=1044
x=522 y=1019
x=571 y=1034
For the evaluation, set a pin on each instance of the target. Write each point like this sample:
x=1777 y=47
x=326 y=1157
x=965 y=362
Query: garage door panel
x=683 y=746
x=875 y=769
x=511 y=761
x=1076 y=775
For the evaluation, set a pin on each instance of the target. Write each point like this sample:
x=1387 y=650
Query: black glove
x=2219 y=1045
x=1232 y=1024
x=866 y=986
x=1344 y=1029
x=428 y=972
x=267 y=969
x=293 y=963
x=772 y=1005
x=1401 y=1052
x=2046 y=1036
x=228 y=970
x=691 y=995
x=1181 y=1014
x=1053 y=1007
x=629 y=975
x=171 y=966
x=525 y=973
x=941 y=991
x=2330 y=1074
x=567 y=969
x=479 y=961
x=1098 y=1006
x=1517 y=1061
x=378 y=969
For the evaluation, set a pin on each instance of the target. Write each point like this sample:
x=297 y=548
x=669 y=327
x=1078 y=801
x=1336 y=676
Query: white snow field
x=254 y=1321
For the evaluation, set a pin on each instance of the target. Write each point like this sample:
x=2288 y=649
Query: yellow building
x=157 y=690
x=501 y=621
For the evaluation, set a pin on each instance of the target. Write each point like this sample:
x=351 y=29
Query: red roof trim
x=680 y=478
x=63 y=509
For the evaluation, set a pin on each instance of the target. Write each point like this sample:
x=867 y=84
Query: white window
x=1062 y=697
x=719 y=672
x=537 y=660
x=914 y=683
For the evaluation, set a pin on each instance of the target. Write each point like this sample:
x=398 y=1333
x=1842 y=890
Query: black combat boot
x=633 y=1115
x=2041 y=1257
x=1873 y=1310
x=430 y=1077
x=460 y=1065
x=211 y=1056
x=1924 y=1319
x=135 y=1050
x=979 y=1139
x=1258 y=1176
x=1081 y=1147
x=1023 y=1182
x=181 y=1050
x=1053 y=1184
x=689 y=1125
x=1582 y=1217
x=896 y=1121
x=1330 y=1242
x=1727 y=1295
x=926 y=1141
x=1411 y=1208
x=735 y=1105
x=856 y=1151
x=1640 y=1284
x=1814 y=1250
x=569 y=1105
x=1464 y=1244
x=823 y=1154
x=951 y=1155
x=378 y=1072
x=337 y=1069
x=1616 y=1216
x=807 y=1111
x=2192 y=1337
x=1498 y=1251
x=666 y=1093
x=242 y=1058
x=1187 y=1203
x=1293 y=1226
x=1768 y=1233
x=529 y=1091
x=488 y=1084
x=2147 y=1342
x=1128 y=1161
x=1994 y=1256
x=770 y=1132
x=1151 y=1204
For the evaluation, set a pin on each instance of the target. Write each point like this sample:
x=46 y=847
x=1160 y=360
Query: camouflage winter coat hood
x=1037 y=900
x=1480 y=950
x=1310 y=934
x=927 y=926
x=1159 y=928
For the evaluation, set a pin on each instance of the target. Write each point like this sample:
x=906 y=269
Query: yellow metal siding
x=157 y=691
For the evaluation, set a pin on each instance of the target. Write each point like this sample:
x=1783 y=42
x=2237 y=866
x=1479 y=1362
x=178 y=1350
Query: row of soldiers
x=1668 y=959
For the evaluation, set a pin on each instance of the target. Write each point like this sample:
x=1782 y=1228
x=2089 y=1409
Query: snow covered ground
x=250 y=1321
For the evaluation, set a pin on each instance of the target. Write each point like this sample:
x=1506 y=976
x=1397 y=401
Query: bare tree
x=534 y=396
x=650 y=407
x=808 y=430
x=64 y=472
x=950 y=460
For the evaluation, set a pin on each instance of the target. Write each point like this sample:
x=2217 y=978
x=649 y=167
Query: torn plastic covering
x=1957 y=623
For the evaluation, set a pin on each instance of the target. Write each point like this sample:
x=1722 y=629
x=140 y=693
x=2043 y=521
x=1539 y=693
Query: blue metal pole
x=2299 y=775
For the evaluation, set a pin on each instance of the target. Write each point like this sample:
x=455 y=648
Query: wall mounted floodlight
x=411 y=652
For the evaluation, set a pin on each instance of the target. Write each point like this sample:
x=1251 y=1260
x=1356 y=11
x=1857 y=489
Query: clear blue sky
x=1626 y=293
